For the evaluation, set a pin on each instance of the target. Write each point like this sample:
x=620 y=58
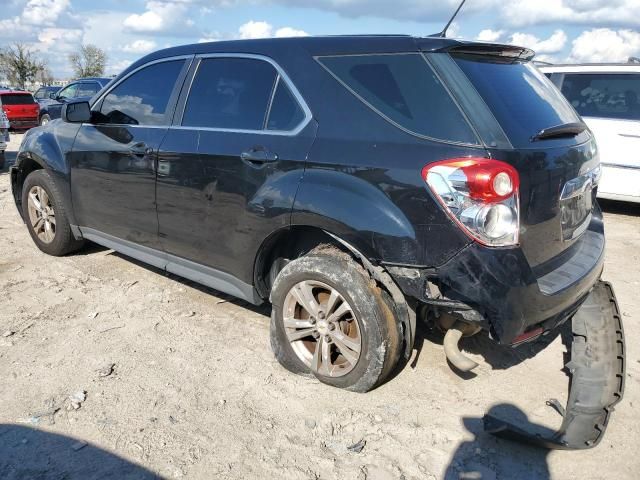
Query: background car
x=43 y=94
x=4 y=136
x=84 y=88
x=21 y=108
x=608 y=98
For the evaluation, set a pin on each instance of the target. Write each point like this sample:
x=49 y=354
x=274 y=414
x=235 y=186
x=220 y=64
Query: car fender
x=355 y=210
x=49 y=148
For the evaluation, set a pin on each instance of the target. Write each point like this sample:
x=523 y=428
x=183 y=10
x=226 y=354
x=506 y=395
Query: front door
x=229 y=170
x=113 y=162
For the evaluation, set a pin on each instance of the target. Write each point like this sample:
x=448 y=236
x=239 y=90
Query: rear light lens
x=480 y=195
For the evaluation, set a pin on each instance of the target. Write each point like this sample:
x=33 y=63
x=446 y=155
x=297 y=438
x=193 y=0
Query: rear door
x=113 y=163
x=229 y=168
x=610 y=104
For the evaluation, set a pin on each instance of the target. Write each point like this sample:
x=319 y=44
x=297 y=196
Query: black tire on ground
x=63 y=242
x=2 y=159
x=379 y=329
x=45 y=118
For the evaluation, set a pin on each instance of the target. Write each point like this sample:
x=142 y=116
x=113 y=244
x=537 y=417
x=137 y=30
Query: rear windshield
x=405 y=90
x=521 y=98
x=16 y=99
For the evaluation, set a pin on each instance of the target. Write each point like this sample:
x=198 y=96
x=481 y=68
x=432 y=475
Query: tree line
x=21 y=65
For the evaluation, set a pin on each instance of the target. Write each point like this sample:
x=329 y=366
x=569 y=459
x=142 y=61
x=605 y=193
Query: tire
x=2 y=159
x=369 y=318
x=62 y=241
x=44 y=119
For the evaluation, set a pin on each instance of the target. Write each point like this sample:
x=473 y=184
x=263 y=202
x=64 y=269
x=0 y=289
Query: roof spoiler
x=494 y=50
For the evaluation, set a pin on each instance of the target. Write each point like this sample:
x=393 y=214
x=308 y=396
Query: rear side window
x=522 y=99
x=87 y=89
x=285 y=113
x=404 y=89
x=17 y=99
x=143 y=98
x=604 y=95
x=230 y=93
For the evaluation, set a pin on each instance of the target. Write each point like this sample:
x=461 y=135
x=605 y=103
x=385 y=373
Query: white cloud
x=553 y=44
x=605 y=45
x=159 y=17
x=489 y=35
x=253 y=29
x=286 y=32
x=140 y=46
x=114 y=68
x=44 y=12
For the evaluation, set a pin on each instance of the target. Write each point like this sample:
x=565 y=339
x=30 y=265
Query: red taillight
x=480 y=194
x=528 y=336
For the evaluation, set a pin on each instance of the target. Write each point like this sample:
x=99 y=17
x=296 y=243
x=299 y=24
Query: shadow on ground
x=26 y=453
x=620 y=208
x=487 y=457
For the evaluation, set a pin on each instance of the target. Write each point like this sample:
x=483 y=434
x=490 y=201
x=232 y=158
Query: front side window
x=404 y=89
x=614 y=95
x=69 y=91
x=230 y=93
x=142 y=98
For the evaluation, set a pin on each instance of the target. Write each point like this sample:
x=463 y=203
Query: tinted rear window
x=604 y=95
x=16 y=99
x=405 y=90
x=521 y=98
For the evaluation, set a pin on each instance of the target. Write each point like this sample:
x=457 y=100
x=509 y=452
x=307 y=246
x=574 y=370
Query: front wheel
x=331 y=320
x=46 y=216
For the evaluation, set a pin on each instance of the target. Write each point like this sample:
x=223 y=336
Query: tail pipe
x=453 y=353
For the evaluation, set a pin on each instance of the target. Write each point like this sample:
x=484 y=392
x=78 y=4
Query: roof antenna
x=443 y=33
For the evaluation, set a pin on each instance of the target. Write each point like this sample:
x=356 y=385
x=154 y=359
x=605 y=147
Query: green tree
x=19 y=64
x=90 y=61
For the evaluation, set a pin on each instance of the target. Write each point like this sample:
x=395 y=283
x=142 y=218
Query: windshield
x=521 y=98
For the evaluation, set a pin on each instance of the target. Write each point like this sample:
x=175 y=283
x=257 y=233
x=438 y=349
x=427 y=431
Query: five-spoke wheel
x=41 y=214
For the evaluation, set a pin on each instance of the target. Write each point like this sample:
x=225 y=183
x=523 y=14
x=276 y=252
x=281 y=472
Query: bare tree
x=44 y=75
x=19 y=64
x=90 y=61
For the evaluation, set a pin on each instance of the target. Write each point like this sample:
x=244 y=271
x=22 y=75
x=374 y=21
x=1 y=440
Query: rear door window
x=230 y=93
x=143 y=98
x=610 y=95
x=17 y=99
x=522 y=99
x=286 y=113
x=405 y=90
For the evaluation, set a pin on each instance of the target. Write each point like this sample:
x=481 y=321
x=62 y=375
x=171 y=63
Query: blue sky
x=559 y=30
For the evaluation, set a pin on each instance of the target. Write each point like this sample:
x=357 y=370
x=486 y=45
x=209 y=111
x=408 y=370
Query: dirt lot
x=180 y=382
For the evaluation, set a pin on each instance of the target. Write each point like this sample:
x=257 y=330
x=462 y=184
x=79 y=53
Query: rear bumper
x=515 y=299
x=23 y=124
x=597 y=369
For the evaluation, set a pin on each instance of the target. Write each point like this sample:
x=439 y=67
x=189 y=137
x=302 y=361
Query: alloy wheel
x=322 y=328
x=41 y=214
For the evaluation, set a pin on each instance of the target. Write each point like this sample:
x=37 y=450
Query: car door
x=229 y=168
x=113 y=162
x=610 y=105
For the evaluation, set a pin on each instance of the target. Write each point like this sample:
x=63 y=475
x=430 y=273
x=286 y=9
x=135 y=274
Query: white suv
x=608 y=98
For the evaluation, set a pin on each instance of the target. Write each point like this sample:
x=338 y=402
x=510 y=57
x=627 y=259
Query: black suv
x=355 y=183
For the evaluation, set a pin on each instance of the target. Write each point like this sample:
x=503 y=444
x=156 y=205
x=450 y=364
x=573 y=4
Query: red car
x=21 y=109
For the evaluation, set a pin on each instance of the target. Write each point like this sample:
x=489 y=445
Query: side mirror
x=76 y=112
x=53 y=96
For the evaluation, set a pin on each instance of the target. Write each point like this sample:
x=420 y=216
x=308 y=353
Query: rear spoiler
x=494 y=50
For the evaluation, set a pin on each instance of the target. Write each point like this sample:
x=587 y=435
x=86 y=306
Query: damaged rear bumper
x=597 y=370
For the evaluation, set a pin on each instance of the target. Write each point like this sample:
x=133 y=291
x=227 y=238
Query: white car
x=4 y=135
x=607 y=96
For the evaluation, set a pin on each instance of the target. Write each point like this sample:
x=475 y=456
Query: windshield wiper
x=564 y=130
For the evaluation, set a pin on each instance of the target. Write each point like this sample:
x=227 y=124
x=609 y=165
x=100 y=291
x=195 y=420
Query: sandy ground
x=178 y=381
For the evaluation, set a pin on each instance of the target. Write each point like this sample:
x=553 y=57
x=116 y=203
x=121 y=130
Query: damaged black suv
x=355 y=183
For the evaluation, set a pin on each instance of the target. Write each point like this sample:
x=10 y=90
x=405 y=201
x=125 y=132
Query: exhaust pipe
x=453 y=353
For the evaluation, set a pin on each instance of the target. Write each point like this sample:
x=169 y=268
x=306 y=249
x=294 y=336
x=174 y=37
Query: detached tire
x=331 y=320
x=45 y=215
